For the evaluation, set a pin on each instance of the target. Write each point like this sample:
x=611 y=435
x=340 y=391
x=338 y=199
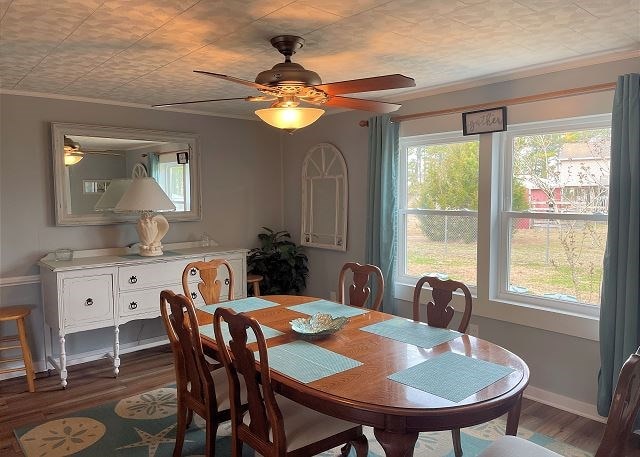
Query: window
x=174 y=180
x=555 y=204
x=438 y=207
x=539 y=239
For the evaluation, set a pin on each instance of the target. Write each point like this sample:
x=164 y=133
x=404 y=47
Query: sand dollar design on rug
x=62 y=437
x=155 y=404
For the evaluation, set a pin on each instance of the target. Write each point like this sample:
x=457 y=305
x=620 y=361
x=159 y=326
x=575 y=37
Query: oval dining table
x=364 y=395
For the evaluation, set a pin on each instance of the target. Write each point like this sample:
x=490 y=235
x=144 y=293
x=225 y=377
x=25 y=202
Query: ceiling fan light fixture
x=72 y=158
x=290 y=119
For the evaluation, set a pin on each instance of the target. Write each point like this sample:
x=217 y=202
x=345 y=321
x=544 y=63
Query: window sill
x=553 y=320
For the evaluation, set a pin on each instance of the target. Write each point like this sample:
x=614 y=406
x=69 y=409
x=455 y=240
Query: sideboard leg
x=63 y=361
x=116 y=351
x=513 y=418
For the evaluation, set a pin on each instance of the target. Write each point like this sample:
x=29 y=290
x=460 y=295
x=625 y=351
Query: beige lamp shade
x=112 y=195
x=290 y=119
x=144 y=194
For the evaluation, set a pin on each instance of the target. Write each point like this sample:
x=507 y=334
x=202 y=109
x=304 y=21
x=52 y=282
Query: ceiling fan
x=288 y=84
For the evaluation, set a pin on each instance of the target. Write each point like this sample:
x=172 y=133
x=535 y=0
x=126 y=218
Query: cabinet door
x=88 y=301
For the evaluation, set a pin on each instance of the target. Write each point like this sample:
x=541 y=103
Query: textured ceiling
x=144 y=51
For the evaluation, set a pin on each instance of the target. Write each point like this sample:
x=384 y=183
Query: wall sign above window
x=484 y=121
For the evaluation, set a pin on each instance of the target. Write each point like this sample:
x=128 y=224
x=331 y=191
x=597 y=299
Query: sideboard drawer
x=88 y=299
x=156 y=274
x=142 y=302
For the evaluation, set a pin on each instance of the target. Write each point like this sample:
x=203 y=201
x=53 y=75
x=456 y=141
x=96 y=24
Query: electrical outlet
x=332 y=295
x=474 y=329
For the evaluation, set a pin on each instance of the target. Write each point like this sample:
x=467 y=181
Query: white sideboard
x=110 y=287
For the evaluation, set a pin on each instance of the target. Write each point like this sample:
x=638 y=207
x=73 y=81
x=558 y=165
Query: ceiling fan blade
x=367 y=84
x=200 y=101
x=362 y=104
x=233 y=79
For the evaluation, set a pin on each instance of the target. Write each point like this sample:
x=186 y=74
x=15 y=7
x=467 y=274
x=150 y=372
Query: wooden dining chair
x=360 y=290
x=617 y=434
x=199 y=390
x=440 y=313
x=209 y=285
x=273 y=425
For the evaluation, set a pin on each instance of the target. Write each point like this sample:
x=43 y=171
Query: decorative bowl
x=317 y=326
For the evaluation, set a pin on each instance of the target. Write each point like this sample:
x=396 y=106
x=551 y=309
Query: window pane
x=562 y=172
x=557 y=258
x=443 y=176
x=442 y=245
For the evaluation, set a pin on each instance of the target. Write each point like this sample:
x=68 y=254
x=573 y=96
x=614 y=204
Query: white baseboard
x=90 y=356
x=571 y=405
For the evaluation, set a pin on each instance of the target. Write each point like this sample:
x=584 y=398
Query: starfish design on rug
x=150 y=440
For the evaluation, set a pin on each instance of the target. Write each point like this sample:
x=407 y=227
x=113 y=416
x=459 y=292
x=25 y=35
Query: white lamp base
x=151 y=230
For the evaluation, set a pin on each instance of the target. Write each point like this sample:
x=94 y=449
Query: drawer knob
x=192 y=272
x=194 y=295
x=133 y=305
x=88 y=302
x=133 y=280
x=226 y=282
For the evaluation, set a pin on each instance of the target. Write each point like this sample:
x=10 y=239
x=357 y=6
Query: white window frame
x=404 y=211
x=506 y=215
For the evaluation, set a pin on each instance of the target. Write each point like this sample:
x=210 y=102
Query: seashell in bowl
x=317 y=326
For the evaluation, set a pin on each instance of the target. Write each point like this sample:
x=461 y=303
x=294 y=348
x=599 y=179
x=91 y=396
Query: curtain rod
x=506 y=102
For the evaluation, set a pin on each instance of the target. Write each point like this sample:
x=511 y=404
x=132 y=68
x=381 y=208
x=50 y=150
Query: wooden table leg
x=396 y=444
x=513 y=418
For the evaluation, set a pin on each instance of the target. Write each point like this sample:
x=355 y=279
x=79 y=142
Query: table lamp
x=145 y=195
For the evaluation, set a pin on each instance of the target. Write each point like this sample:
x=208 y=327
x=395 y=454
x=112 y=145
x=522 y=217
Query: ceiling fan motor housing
x=287 y=72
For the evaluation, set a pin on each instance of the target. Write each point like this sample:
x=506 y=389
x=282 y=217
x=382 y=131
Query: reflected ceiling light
x=72 y=152
x=285 y=114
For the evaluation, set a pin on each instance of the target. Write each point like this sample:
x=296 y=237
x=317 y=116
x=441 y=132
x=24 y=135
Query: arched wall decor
x=325 y=196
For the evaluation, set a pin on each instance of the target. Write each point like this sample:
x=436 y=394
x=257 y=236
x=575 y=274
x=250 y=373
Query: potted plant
x=281 y=263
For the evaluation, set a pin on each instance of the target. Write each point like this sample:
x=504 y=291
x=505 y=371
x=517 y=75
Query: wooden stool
x=255 y=280
x=18 y=313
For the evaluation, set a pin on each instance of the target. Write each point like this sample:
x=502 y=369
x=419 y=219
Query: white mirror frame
x=63 y=205
x=330 y=154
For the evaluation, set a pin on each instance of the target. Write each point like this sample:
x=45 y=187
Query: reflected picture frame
x=484 y=121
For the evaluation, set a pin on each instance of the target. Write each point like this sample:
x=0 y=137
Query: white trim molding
x=11 y=281
x=570 y=405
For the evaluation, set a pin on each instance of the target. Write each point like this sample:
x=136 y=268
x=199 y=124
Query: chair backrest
x=623 y=412
x=439 y=311
x=210 y=286
x=192 y=370
x=265 y=432
x=360 y=290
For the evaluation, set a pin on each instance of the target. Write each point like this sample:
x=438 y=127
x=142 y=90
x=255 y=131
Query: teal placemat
x=411 y=332
x=451 y=376
x=328 y=307
x=241 y=305
x=268 y=332
x=307 y=362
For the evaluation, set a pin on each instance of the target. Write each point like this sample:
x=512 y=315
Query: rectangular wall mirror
x=94 y=164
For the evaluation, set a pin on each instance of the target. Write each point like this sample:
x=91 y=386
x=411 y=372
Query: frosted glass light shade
x=144 y=194
x=113 y=194
x=72 y=158
x=290 y=119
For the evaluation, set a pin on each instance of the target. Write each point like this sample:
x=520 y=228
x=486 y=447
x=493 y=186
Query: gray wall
x=241 y=192
x=93 y=166
x=559 y=363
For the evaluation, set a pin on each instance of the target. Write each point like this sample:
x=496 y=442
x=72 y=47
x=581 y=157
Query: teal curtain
x=154 y=168
x=619 y=312
x=382 y=204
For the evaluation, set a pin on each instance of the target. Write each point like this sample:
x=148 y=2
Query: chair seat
x=304 y=426
x=511 y=446
x=11 y=313
x=221 y=381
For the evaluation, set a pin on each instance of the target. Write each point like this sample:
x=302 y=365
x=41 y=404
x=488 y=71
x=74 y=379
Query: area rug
x=144 y=425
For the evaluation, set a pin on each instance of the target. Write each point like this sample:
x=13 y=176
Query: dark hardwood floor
x=92 y=384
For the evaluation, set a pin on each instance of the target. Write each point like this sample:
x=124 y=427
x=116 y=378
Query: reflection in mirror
x=324 y=198
x=94 y=165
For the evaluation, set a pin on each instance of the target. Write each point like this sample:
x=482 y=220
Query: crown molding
x=101 y=101
x=523 y=72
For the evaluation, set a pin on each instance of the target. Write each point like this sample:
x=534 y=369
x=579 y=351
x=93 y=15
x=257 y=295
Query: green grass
x=538 y=260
